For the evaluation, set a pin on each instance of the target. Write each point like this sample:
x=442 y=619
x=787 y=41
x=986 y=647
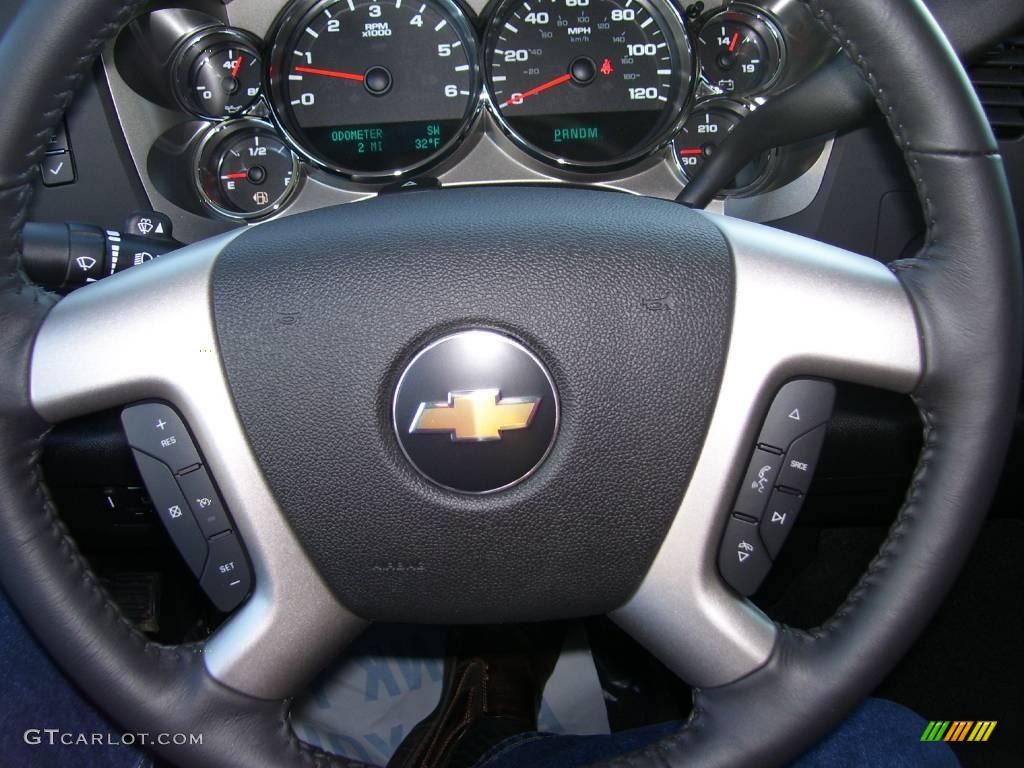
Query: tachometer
x=587 y=83
x=374 y=88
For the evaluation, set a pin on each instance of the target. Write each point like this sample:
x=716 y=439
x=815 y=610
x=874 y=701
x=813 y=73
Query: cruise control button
x=757 y=483
x=801 y=460
x=742 y=559
x=799 y=407
x=173 y=510
x=204 y=501
x=226 y=579
x=779 y=518
x=156 y=429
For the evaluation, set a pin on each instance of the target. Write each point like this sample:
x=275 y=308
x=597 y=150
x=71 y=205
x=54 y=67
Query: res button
x=157 y=430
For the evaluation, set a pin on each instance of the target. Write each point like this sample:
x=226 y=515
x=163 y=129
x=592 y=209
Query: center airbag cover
x=625 y=301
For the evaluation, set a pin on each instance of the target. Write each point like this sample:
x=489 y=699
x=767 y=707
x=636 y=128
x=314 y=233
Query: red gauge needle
x=238 y=65
x=329 y=73
x=732 y=43
x=540 y=88
x=239 y=175
x=691 y=151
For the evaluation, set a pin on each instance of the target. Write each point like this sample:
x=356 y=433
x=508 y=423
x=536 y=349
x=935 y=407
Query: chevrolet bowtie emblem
x=478 y=415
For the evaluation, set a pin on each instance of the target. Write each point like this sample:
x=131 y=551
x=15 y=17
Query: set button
x=226 y=578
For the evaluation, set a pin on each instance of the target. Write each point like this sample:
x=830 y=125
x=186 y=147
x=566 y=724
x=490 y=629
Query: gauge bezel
x=741 y=111
x=761 y=22
x=282 y=35
x=181 y=69
x=219 y=133
x=686 y=70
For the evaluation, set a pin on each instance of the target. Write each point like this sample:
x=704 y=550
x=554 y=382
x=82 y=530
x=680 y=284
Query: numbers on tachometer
x=373 y=89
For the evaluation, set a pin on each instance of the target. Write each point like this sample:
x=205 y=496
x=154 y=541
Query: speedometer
x=374 y=88
x=587 y=83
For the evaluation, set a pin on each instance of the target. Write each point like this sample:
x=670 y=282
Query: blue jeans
x=37 y=696
x=881 y=734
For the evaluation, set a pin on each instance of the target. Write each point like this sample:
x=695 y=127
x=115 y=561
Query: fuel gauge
x=740 y=52
x=245 y=171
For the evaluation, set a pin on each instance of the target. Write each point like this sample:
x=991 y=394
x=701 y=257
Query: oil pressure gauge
x=244 y=170
x=218 y=74
x=740 y=51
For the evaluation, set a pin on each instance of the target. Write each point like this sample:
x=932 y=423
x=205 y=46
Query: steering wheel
x=664 y=331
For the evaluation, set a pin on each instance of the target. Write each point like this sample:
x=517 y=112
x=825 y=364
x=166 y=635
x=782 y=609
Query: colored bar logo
x=959 y=730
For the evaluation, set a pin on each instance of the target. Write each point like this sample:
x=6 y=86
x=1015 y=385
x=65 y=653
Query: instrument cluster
x=364 y=94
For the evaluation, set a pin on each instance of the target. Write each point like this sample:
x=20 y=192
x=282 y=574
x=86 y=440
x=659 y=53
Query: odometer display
x=374 y=88
x=587 y=83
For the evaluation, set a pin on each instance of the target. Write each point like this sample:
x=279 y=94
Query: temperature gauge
x=245 y=171
x=740 y=52
x=700 y=136
x=219 y=75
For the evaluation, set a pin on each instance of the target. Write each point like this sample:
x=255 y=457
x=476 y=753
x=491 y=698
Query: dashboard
x=218 y=114
x=241 y=112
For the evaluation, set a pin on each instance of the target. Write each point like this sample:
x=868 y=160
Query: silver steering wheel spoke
x=802 y=308
x=148 y=333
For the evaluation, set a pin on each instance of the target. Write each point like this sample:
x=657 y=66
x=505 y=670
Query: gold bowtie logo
x=478 y=415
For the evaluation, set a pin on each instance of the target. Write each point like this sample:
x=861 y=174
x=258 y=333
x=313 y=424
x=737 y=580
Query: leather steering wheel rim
x=965 y=289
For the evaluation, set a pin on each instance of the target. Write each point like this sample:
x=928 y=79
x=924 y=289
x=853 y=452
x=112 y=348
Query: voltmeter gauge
x=245 y=171
x=218 y=74
x=740 y=52
x=700 y=136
